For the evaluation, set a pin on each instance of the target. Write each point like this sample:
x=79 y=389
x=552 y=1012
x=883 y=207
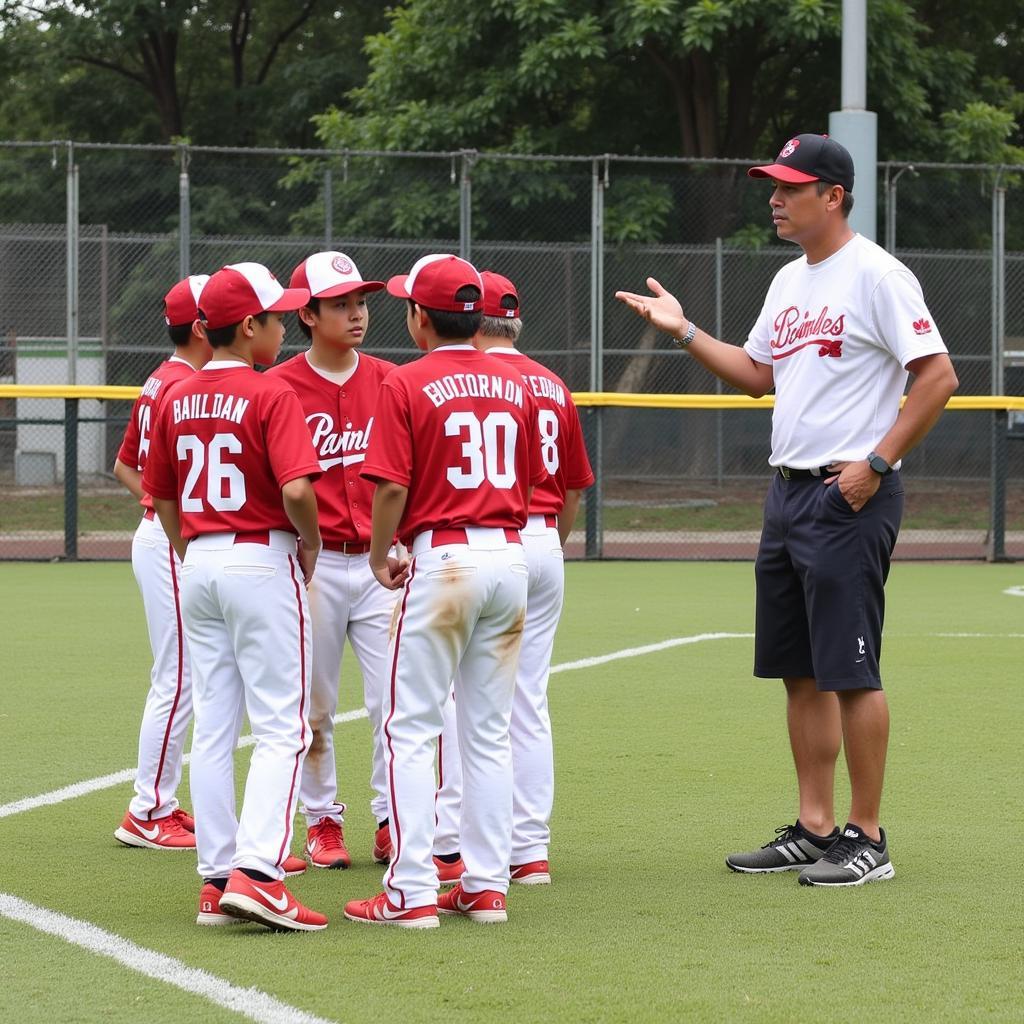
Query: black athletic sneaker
x=793 y=850
x=852 y=859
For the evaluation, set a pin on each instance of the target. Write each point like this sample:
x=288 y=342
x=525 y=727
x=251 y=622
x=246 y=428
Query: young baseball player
x=553 y=509
x=153 y=819
x=454 y=456
x=230 y=470
x=338 y=386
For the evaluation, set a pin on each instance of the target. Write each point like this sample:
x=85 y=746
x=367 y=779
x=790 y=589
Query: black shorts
x=821 y=571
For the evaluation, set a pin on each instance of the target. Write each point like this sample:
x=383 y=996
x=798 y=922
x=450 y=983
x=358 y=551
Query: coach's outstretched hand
x=661 y=310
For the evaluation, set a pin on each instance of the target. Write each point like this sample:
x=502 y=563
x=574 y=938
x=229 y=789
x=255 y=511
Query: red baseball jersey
x=225 y=442
x=135 y=443
x=558 y=427
x=459 y=429
x=340 y=420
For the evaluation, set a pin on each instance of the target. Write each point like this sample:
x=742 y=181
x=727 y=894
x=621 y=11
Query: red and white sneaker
x=209 y=908
x=293 y=865
x=449 y=874
x=537 y=872
x=268 y=903
x=382 y=845
x=487 y=907
x=325 y=845
x=184 y=819
x=165 y=833
x=379 y=910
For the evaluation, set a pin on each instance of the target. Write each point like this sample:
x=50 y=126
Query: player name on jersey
x=209 y=407
x=545 y=387
x=472 y=385
x=151 y=388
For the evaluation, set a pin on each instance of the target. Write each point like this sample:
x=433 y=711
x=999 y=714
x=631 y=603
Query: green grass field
x=665 y=761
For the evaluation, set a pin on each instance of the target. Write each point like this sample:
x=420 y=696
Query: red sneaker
x=268 y=903
x=164 y=833
x=184 y=819
x=487 y=907
x=293 y=865
x=325 y=845
x=379 y=910
x=449 y=874
x=536 y=872
x=209 y=908
x=382 y=845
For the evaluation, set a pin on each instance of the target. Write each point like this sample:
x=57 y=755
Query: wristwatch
x=878 y=464
x=691 y=333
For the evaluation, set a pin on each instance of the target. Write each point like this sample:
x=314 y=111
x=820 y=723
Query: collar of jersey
x=456 y=348
x=225 y=364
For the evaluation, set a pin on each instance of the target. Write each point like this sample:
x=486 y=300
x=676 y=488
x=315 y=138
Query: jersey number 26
x=225 y=483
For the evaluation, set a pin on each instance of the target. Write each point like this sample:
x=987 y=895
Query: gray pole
x=71 y=232
x=854 y=125
x=719 y=285
x=466 y=204
x=998 y=284
x=184 y=217
x=595 y=415
x=328 y=209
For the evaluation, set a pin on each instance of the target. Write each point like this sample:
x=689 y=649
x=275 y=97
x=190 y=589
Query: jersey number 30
x=488 y=450
x=225 y=483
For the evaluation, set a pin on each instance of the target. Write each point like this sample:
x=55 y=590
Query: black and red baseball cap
x=434 y=281
x=328 y=275
x=496 y=288
x=810 y=158
x=181 y=303
x=246 y=289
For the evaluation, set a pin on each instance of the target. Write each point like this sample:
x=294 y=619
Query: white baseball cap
x=328 y=275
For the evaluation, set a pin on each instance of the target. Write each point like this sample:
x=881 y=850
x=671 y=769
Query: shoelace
x=330 y=838
x=843 y=849
x=785 y=834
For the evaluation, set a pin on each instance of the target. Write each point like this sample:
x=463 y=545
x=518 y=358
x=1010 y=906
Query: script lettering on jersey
x=209 y=407
x=332 y=446
x=473 y=385
x=151 y=388
x=794 y=332
x=545 y=387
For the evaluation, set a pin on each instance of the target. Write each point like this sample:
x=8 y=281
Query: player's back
x=468 y=424
x=135 y=445
x=558 y=425
x=231 y=438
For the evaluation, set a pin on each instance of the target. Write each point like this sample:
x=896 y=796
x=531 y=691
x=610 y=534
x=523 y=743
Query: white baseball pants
x=463 y=606
x=533 y=772
x=168 y=711
x=345 y=599
x=448 y=802
x=248 y=627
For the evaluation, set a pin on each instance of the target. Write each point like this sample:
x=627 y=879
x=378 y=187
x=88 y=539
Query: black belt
x=802 y=474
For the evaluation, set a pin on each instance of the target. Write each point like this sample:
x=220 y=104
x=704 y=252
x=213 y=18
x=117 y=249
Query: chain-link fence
x=92 y=236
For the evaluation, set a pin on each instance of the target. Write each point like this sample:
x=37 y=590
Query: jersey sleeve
x=578 y=471
x=160 y=477
x=128 y=453
x=289 y=446
x=901 y=318
x=389 y=456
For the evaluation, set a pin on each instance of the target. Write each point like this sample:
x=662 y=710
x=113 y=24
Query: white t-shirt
x=838 y=335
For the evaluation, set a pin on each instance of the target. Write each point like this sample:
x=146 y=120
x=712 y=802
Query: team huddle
x=418 y=510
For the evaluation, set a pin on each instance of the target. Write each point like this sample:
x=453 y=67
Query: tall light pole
x=855 y=126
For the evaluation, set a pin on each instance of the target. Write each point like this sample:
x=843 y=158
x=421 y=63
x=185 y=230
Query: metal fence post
x=719 y=329
x=328 y=208
x=890 y=207
x=466 y=203
x=71 y=239
x=595 y=416
x=71 y=478
x=184 y=216
x=1000 y=418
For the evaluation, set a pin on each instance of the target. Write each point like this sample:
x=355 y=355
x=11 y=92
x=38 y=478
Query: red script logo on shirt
x=793 y=332
x=922 y=327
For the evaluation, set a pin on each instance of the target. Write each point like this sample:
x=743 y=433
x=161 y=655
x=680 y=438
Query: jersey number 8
x=225 y=484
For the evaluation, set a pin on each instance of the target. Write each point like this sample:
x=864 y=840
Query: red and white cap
x=245 y=289
x=434 y=280
x=496 y=288
x=326 y=275
x=181 y=303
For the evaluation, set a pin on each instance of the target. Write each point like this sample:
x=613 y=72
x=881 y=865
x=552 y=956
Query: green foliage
x=637 y=210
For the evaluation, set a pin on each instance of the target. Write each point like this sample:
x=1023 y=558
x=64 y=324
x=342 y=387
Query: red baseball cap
x=496 y=288
x=245 y=289
x=434 y=280
x=326 y=275
x=810 y=158
x=181 y=303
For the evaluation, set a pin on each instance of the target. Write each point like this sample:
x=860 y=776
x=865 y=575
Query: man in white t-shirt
x=840 y=330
